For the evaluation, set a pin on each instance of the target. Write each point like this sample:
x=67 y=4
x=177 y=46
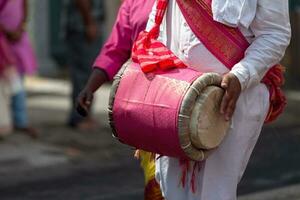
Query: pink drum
x=173 y=113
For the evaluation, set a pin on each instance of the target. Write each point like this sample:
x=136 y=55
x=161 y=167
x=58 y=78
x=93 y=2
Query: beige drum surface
x=208 y=126
x=201 y=127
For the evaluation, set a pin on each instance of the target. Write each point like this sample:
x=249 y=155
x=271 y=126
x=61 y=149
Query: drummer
x=246 y=102
x=265 y=24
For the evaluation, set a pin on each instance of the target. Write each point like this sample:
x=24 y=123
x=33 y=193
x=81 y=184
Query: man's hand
x=84 y=102
x=231 y=85
x=85 y=97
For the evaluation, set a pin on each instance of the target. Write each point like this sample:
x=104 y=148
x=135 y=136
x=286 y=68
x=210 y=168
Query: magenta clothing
x=131 y=20
x=10 y=18
x=6 y=56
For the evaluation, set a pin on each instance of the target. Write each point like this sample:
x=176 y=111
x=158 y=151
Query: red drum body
x=173 y=113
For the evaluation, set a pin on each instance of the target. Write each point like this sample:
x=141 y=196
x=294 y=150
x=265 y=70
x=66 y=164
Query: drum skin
x=207 y=128
x=157 y=111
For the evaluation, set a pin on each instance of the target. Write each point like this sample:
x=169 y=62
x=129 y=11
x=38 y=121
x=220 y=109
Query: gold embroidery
x=209 y=30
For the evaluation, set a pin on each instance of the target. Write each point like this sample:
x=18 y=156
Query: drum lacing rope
x=196 y=90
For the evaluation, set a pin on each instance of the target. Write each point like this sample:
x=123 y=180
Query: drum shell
x=153 y=111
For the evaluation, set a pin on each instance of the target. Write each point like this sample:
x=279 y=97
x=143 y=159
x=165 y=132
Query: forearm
x=97 y=78
x=272 y=32
x=84 y=7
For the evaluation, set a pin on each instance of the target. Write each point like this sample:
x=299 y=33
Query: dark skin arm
x=231 y=85
x=91 y=29
x=15 y=36
x=85 y=98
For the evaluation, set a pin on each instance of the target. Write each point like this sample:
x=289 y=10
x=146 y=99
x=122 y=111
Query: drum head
x=208 y=126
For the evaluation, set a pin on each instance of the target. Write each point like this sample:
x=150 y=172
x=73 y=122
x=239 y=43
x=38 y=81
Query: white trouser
x=221 y=172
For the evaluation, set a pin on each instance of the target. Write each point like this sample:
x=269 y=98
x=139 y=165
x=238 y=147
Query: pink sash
x=229 y=45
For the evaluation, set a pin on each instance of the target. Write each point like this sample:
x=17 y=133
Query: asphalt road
x=68 y=164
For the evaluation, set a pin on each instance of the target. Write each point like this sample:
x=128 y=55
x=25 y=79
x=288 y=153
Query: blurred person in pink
x=6 y=62
x=13 y=19
x=131 y=20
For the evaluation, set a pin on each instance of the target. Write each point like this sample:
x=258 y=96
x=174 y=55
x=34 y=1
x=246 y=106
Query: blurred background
x=56 y=160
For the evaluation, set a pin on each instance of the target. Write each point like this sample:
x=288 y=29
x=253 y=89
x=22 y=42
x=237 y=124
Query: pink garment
x=131 y=20
x=10 y=18
x=6 y=57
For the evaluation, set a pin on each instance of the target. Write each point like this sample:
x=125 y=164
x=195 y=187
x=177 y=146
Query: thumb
x=225 y=82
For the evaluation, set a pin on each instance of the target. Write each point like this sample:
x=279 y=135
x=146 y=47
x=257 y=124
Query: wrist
x=242 y=75
x=101 y=73
x=88 y=89
x=97 y=78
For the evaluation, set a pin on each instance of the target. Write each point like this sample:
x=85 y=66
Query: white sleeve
x=151 y=19
x=272 y=31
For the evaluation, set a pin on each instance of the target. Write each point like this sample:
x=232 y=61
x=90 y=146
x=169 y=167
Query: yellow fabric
x=152 y=189
x=148 y=164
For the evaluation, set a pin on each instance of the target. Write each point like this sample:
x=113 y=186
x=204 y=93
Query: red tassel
x=152 y=191
x=185 y=166
x=197 y=166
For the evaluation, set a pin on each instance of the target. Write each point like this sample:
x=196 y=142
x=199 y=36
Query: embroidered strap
x=150 y=53
x=229 y=45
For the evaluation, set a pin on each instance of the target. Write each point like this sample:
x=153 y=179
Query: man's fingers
x=224 y=103
x=225 y=82
x=230 y=109
x=228 y=104
x=81 y=110
x=232 y=88
x=84 y=102
x=88 y=99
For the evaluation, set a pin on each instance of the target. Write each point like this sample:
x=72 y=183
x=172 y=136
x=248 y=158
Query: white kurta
x=269 y=34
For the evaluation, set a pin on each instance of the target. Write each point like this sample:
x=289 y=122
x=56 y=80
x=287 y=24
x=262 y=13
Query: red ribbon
x=152 y=54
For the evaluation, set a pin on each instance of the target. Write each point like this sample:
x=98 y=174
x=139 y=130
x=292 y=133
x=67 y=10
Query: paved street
x=68 y=164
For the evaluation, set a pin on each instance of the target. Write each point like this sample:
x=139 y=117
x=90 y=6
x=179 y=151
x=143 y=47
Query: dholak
x=173 y=113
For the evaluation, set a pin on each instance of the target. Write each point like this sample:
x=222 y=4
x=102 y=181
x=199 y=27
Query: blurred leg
x=19 y=110
x=81 y=56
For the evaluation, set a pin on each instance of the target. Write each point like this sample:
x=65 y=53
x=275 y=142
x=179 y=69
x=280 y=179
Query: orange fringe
x=152 y=191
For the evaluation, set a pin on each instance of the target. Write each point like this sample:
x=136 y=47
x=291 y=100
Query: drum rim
x=114 y=87
x=193 y=92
